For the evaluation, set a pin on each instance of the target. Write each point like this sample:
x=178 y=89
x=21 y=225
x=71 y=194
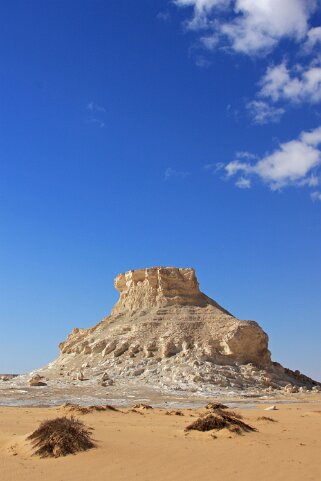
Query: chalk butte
x=165 y=332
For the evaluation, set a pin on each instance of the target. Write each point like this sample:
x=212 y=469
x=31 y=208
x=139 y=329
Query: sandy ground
x=150 y=445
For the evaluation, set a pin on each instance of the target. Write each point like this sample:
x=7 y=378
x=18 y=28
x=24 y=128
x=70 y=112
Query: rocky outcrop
x=158 y=287
x=37 y=381
x=165 y=332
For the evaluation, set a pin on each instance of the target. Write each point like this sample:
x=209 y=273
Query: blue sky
x=146 y=133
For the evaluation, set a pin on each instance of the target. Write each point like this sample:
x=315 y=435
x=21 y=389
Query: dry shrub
x=221 y=410
x=232 y=414
x=109 y=407
x=266 y=418
x=235 y=430
x=220 y=420
x=76 y=408
x=208 y=423
x=61 y=436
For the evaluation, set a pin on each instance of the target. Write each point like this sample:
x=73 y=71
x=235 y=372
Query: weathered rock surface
x=165 y=332
x=37 y=381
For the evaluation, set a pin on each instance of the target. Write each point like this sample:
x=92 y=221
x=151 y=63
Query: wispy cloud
x=251 y=27
x=232 y=112
x=96 y=114
x=243 y=154
x=262 y=113
x=294 y=163
x=243 y=183
x=215 y=167
x=202 y=62
x=255 y=28
x=100 y=123
x=313 y=39
x=92 y=107
x=316 y=196
x=169 y=173
x=164 y=16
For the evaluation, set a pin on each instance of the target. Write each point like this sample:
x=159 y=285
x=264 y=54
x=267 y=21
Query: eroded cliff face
x=158 y=287
x=165 y=332
x=161 y=312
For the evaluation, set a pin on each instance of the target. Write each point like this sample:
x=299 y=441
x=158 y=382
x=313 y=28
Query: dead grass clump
x=208 y=423
x=109 y=407
x=235 y=430
x=76 y=408
x=61 y=436
x=220 y=420
x=236 y=421
x=228 y=414
x=221 y=410
x=267 y=418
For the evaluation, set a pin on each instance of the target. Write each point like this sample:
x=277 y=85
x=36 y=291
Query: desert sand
x=152 y=445
x=168 y=344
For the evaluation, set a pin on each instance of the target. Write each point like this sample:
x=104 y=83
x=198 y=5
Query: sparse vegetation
x=60 y=437
x=76 y=408
x=176 y=413
x=232 y=414
x=220 y=420
x=221 y=410
x=267 y=418
x=207 y=423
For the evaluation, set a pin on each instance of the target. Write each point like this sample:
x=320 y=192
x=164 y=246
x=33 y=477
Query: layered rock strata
x=164 y=332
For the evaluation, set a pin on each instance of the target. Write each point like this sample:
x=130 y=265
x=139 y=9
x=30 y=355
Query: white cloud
x=296 y=85
x=163 y=16
x=95 y=114
x=316 y=196
x=243 y=183
x=312 y=181
x=293 y=163
x=202 y=11
x=250 y=26
x=215 y=167
x=313 y=137
x=262 y=113
x=313 y=38
x=256 y=27
x=99 y=122
x=245 y=155
x=92 y=107
x=169 y=172
x=202 y=62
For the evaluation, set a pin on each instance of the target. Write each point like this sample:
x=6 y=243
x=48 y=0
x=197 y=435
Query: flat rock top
x=164 y=332
x=159 y=287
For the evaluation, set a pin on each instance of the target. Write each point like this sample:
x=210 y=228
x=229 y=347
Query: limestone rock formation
x=37 y=381
x=165 y=332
